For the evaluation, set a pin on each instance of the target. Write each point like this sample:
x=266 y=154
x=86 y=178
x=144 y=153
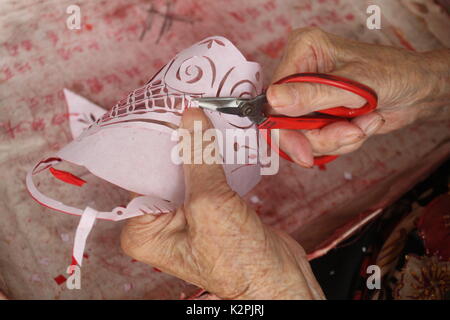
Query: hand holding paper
x=130 y=146
x=217 y=242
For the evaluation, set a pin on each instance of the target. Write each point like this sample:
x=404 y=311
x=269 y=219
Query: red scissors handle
x=327 y=115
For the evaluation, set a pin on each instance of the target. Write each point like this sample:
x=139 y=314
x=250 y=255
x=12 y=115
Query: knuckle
x=307 y=95
x=316 y=32
x=313 y=31
x=298 y=36
x=321 y=144
x=294 y=35
x=305 y=30
x=321 y=147
x=136 y=235
x=308 y=33
x=222 y=199
x=357 y=69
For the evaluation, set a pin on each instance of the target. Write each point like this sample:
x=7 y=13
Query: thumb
x=210 y=203
x=296 y=99
x=202 y=180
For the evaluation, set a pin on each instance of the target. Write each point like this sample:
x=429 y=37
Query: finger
x=201 y=178
x=344 y=137
x=297 y=147
x=210 y=204
x=336 y=138
x=312 y=50
x=296 y=99
x=349 y=148
x=149 y=238
x=370 y=123
x=162 y=242
x=333 y=136
x=307 y=50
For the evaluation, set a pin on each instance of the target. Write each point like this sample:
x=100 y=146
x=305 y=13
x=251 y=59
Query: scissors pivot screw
x=247 y=110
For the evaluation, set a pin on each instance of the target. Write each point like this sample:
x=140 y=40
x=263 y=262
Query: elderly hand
x=217 y=242
x=409 y=85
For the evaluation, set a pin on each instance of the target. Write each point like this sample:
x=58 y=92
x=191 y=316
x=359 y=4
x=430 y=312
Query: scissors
x=254 y=108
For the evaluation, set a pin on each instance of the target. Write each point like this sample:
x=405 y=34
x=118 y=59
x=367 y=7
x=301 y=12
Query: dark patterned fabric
x=410 y=242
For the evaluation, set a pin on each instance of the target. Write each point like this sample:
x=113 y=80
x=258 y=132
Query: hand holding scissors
x=254 y=108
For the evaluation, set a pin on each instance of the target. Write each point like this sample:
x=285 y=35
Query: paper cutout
x=84 y=228
x=82 y=112
x=130 y=145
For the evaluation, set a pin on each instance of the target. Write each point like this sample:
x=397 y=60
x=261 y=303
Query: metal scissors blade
x=224 y=105
x=252 y=108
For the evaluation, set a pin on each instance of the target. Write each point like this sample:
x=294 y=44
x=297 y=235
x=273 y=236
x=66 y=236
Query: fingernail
x=304 y=161
x=351 y=138
x=280 y=96
x=374 y=126
x=304 y=164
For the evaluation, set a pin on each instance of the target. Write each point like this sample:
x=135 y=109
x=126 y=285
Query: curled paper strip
x=130 y=145
x=83 y=229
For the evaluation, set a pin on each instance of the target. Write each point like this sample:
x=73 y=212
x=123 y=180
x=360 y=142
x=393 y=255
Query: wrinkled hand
x=409 y=86
x=217 y=242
